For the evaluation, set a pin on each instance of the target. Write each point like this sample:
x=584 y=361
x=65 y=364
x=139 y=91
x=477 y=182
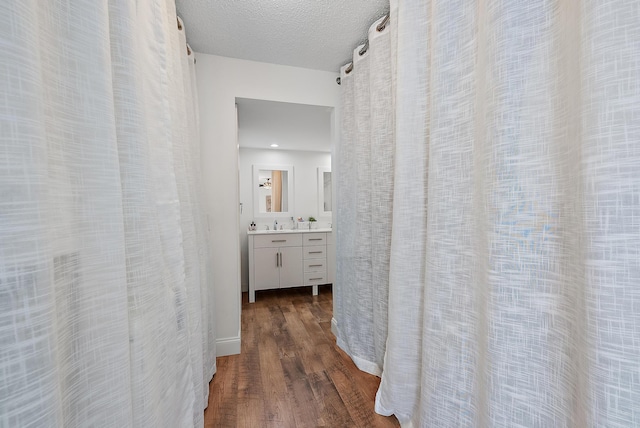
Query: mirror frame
x=256 y=184
x=321 y=212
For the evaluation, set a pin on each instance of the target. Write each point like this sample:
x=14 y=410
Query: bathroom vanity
x=288 y=258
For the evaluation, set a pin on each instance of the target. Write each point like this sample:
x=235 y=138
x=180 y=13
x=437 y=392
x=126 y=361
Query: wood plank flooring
x=290 y=373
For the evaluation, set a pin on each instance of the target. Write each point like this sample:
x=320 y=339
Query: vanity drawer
x=319 y=238
x=314 y=278
x=277 y=240
x=315 y=252
x=315 y=265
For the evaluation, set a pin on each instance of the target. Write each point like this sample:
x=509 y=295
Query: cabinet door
x=291 y=268
x=267 y=272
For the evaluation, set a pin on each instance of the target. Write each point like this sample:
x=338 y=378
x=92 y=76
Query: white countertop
x=270 y=232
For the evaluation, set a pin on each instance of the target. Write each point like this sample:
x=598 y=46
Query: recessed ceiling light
x=274 y=145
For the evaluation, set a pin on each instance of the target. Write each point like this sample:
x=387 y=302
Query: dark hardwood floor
x=290 y=373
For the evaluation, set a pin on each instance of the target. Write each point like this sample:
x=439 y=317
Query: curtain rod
x=380 y=27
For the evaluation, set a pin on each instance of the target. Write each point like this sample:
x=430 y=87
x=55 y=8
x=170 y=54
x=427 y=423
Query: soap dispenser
x=275 y=224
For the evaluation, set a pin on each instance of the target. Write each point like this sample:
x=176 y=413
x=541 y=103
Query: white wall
x=292 y=126
x=220 y=80
x=305 y=191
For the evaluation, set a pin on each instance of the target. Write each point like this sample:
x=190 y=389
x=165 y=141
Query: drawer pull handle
x=315 y=265
x=315 y=252
x=315 y=279
x=315 y=239
x=278 y=240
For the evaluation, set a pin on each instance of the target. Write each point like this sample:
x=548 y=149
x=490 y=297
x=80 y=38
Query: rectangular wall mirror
x=272 y=191
x=325 y=195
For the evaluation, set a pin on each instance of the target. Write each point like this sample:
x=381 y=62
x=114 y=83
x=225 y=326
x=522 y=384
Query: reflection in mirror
x=271 y=197
x=327 y=190
x=325 y=198
x=272 y=191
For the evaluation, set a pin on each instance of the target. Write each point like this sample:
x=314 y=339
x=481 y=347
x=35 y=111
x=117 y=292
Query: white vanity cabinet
x=288 y=259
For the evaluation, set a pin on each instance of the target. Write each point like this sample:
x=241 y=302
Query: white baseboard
x=334 y=327
x=227 y=346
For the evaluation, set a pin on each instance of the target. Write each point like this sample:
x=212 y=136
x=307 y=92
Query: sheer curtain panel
x=365 y=168
x=514 y=261
x=104 y=269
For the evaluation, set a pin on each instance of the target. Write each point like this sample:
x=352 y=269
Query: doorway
x=279 y=134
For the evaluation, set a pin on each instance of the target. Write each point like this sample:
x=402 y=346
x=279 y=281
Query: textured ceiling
x=316 y=34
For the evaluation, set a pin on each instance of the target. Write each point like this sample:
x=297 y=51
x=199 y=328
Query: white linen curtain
x=513 y=295
x=104 y=267
x=364 y=194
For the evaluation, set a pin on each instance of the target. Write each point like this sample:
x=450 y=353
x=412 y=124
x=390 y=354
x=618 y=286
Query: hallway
x=290 y=372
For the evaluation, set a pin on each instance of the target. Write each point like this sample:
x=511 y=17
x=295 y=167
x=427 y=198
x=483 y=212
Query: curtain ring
x=364 y=48
x=380 y=27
